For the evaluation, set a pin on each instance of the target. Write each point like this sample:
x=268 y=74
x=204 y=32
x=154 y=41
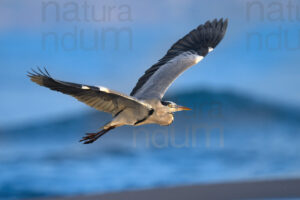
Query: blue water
x=225 y=138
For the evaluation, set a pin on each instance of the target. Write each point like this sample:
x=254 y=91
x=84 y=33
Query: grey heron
x=144 y=105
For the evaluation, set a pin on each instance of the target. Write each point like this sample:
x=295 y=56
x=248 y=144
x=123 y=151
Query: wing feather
x=184 y=53
x=99 y=98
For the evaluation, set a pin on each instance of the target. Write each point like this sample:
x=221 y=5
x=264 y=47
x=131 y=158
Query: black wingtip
x=39 y=76
x=225 y=23
x=38 y=72
x=213 y=32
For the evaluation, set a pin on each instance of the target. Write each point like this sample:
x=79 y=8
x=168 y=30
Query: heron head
x=173 y=107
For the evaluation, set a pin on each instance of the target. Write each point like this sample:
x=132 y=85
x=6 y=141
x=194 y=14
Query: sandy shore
x=285 y=188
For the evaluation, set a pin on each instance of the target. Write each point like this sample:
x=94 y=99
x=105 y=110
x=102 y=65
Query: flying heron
x=144 y=105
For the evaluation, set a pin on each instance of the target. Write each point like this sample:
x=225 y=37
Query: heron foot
x=92 y=137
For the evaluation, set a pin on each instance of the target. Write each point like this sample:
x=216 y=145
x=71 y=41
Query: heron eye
x=170 y=105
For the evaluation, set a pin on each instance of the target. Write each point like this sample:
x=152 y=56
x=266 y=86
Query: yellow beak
x=183 y=108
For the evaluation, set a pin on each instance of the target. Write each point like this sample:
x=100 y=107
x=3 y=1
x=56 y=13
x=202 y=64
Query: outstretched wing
x=183 y=54
x=100 y=98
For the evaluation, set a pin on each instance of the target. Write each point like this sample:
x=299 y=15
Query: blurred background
x=245 y=95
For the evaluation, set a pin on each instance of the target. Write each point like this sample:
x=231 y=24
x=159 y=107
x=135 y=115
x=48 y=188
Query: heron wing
x=98 y=97
x=185 y=53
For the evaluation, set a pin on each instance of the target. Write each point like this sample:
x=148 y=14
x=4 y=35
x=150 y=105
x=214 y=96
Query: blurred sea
x=226 y=137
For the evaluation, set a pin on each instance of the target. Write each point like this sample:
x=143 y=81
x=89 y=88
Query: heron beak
x=180 y=108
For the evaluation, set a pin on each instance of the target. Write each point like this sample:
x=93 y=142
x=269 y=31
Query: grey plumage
x=197 y=42
x=144 y=105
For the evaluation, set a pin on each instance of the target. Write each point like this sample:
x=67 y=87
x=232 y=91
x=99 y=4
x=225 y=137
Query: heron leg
x=92 y=137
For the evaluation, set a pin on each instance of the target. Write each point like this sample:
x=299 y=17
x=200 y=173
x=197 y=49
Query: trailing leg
x=92 y=137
